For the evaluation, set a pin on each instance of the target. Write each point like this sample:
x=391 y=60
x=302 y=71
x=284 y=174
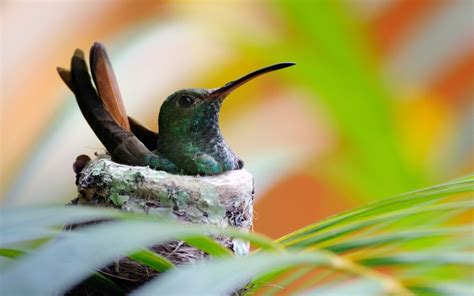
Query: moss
x=210 y=204
x=165 y=199
x=182 y=200
x=116 y=195
x=118 y=200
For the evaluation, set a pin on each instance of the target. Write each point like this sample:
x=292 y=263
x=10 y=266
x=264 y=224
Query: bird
x=189 y=141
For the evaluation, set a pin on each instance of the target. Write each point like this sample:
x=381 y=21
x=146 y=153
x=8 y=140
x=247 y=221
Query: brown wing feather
x=106 y=84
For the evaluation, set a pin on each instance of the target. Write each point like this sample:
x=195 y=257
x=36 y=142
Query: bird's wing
x=106 y=84
x=148 y=137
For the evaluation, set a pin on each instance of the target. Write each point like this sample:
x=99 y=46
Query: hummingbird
x=189 y=141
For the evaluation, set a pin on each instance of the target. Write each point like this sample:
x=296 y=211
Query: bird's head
x=190 y=112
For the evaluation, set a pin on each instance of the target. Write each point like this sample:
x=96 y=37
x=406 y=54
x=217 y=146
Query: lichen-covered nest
x=224 y=200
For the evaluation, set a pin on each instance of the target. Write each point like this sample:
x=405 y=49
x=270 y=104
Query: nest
x=224 y=200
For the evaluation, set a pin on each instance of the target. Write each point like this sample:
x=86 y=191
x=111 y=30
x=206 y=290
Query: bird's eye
x=185 y=101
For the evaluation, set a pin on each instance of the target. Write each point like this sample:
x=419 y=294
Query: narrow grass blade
x=153 y=260
x=209 y=246
x=10 y=253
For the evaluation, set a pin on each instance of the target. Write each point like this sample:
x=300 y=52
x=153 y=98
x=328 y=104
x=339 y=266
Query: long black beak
x=222 y=92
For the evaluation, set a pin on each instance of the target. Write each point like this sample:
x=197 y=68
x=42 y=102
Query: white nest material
x=224 y=200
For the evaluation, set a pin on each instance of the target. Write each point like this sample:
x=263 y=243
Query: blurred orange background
x=380 y=101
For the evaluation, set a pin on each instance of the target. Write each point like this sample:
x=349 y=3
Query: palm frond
x=417 y=242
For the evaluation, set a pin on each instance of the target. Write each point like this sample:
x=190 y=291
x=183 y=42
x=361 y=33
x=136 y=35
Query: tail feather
x=65 y=76
x=120 y=142
x=107 y=86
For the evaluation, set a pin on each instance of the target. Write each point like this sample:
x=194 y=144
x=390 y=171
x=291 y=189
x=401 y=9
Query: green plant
x=416 y=243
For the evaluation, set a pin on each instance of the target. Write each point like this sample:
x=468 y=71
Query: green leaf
x=94 y=246
x=387 y=233
x=44 y=216
x=382 y=239
x=314 y=239
x=356 y=287
x=152 y=259
x=209 y=246
x=97 y=281
x=444 y=289
x=84 y=250
x=291 y=278
x=396 y=203
x=31 y=223
x=10 y=253
x=460 y=258
x=220 y=277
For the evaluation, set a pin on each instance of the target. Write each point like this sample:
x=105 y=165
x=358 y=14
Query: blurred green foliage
x=337 y=66
x=346 y=250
